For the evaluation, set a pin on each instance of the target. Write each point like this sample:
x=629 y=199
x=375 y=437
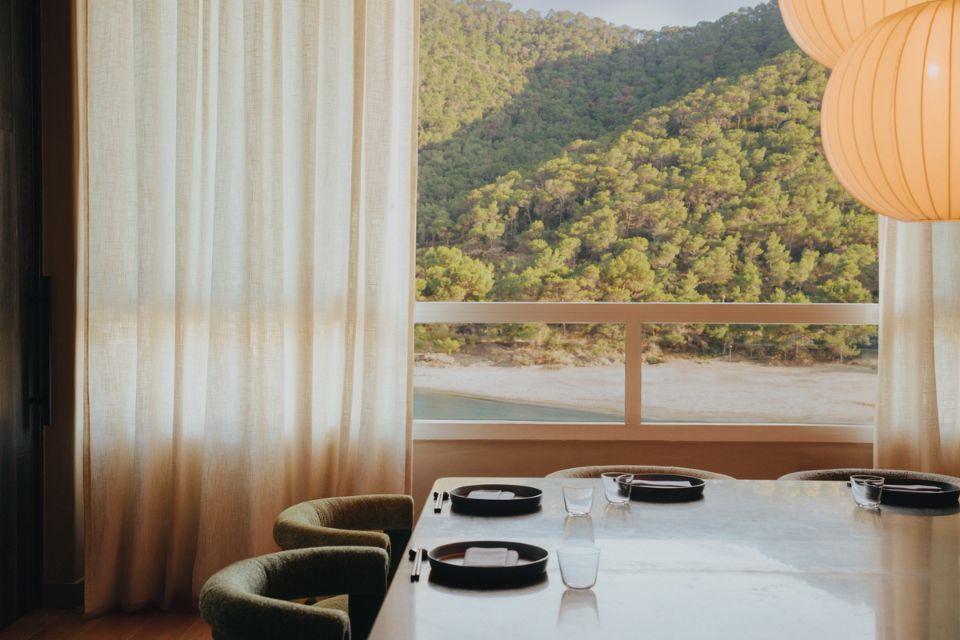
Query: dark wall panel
x=62 y=459
x=20 y=315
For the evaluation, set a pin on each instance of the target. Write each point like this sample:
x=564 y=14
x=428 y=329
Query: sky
x=642 y=14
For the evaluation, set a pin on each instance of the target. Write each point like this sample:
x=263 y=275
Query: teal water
x=439 y=405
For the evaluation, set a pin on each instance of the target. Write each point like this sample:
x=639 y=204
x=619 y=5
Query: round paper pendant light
x=891 y=114
x=825 y=29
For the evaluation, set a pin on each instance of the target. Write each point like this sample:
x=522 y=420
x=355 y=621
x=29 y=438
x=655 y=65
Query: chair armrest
x=350 y=521
x=250 y=598
x=253 y=616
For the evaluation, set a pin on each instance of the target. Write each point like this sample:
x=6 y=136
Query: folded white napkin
x=490 y=557
x=663 y=483
x=490 y=494
x=914 y=487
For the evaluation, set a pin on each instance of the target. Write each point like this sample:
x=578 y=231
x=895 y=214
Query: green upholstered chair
x=594 y=472
x=382 y=521
x=888 y=474
x=251 y=599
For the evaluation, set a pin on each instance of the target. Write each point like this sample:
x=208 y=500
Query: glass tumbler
x=866 y=490
x=616 y=487
x=578 y=499
x=579 y=565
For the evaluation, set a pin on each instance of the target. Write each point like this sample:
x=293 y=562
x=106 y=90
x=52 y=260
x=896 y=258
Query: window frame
x=633 y=315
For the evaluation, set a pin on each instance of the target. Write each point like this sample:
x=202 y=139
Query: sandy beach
x=677 y=390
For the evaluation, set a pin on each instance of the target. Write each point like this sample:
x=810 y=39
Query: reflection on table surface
x=753 y=559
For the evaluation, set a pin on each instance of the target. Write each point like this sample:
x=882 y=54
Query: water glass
x=616 y=487
x=579 y=565
x=578 y=499
x=866 y=491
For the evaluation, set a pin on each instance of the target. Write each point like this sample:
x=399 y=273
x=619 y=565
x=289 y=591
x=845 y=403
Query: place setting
x=620 y=488
x=482 y=564
x=873 y=491
x=495 y=499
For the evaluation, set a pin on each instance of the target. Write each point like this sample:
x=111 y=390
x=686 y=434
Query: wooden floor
x=46 y=624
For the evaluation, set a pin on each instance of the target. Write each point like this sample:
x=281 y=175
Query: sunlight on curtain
x=911 y=601
x=246 y=217
x=918 y=409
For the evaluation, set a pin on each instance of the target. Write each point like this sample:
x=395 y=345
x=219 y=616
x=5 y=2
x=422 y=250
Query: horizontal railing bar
x=428 y=430
x=648 y=312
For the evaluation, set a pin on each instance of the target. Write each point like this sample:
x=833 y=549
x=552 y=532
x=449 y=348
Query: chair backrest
x=383 y=521
x=250 y=599
x=845 y=473
x=594 y=472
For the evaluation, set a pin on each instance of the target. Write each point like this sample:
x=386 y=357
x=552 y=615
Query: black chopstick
x=417 y=564
x=438 y=498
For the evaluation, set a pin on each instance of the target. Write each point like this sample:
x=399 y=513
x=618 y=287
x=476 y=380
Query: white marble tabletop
x=752 y=559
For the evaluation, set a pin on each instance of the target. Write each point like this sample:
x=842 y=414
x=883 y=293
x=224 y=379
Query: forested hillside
x=566 y=159
x=506 y=90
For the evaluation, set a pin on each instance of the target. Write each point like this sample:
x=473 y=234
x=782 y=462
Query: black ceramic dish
x=653 y=493
x=525 y=500
x=446 y=566
x=945 y=499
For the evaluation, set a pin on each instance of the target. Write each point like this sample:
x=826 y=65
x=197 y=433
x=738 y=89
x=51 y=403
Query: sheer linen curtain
x=247 y=183
x=918 y=410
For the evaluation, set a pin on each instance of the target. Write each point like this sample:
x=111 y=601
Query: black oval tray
x=666 y=494
x=446 y=567
x=526 y=500
x=920 y=499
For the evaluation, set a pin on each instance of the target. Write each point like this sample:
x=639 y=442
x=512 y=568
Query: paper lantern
x=825 y=29
x=891 y=114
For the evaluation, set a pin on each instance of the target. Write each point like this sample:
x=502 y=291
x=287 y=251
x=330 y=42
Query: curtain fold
x=918 y=409
x=247 y=185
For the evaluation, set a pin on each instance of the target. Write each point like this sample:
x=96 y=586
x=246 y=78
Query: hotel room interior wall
x=434 y=459
x=63 y=480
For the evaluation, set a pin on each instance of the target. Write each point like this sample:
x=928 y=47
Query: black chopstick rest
x=438 y=498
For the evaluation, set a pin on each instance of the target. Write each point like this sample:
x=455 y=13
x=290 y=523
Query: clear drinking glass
x=616 y=487
x=866 y=490
x=577 y=499
x=579 y=565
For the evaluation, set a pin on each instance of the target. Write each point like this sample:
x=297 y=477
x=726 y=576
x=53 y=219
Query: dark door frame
x=24 y=363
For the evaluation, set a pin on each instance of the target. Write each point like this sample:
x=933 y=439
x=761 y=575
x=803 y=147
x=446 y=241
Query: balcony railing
x=633 y=316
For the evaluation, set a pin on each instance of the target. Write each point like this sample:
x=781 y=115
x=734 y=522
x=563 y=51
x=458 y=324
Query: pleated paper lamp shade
x=891 y=114
x=825 y=29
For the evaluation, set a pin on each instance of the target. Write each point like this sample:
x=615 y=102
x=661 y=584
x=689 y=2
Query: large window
x=620 y=227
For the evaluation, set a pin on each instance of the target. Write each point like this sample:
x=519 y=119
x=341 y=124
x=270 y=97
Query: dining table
x=751 y=559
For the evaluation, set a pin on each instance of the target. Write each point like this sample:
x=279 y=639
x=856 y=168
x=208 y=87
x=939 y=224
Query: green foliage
x=566 y=159
x=476 y=56
x=444 y=273
x=504 y=90
x=437 y=338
